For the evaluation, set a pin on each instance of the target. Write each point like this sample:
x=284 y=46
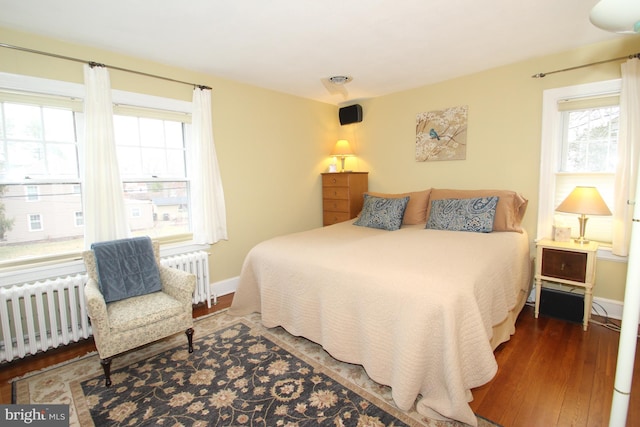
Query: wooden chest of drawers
x=342 y=195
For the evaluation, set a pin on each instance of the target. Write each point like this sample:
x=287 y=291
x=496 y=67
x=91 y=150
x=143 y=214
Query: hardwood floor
x=551 y=373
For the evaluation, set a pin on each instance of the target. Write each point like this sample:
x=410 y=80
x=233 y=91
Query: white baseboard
x=607 y=307
x=225 y=287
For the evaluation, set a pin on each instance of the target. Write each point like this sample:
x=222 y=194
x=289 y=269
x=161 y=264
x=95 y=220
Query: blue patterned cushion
x=382 y=213
x=126 y=268
x=463 y=214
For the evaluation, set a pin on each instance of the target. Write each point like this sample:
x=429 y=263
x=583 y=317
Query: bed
x=419 y=306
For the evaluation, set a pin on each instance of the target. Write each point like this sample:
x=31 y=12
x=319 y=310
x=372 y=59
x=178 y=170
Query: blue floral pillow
x=463 y=214
x=382 y=213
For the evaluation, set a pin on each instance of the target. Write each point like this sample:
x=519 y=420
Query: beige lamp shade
x=342 y=149
x=584 y=201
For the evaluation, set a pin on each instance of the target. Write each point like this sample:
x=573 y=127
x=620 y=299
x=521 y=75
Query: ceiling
x=292 y=45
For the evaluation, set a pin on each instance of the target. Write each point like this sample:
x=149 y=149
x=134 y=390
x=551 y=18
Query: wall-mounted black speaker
x=350 y=114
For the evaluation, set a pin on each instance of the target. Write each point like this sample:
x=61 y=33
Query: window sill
x=30 y=271
x=604 y=253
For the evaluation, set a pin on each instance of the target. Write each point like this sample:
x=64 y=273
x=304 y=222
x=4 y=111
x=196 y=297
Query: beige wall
x=504 y=131
x=272 y=147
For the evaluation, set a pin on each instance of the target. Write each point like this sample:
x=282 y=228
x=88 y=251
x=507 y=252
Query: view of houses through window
x=40 y=187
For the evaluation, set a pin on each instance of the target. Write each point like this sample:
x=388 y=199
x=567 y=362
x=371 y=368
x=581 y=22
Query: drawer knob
x=562 y=266
x=335 y=193
x=334 y=180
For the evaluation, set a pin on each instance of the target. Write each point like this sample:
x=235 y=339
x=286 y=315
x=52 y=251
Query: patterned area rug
x=240 y=374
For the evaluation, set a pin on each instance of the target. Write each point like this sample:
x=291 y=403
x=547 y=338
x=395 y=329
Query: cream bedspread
x=415 y=307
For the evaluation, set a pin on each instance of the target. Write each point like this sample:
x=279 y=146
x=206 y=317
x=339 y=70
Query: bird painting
x=442 y=134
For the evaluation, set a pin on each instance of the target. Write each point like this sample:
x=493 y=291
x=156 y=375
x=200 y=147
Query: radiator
x=43 y=315
x=196 y=263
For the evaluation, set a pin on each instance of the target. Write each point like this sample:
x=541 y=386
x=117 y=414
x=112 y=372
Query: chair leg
x=106 y=366
x=189 y=333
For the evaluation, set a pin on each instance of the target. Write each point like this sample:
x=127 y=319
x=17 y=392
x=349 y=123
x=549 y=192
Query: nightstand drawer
x=333 y=205
x=335 y=180
x=335 y=193
x=330 y=218
x=564 y=264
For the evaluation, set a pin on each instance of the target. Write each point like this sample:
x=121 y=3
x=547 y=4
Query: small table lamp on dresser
x=342 y=192
x=584 y=201
x=342 y=149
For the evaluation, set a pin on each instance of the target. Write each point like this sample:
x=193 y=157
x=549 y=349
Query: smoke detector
x=340 y=80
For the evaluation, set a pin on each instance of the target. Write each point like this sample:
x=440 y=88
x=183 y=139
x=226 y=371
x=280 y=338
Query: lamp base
x=583 y=226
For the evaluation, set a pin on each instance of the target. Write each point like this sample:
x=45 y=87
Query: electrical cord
x=608 y=323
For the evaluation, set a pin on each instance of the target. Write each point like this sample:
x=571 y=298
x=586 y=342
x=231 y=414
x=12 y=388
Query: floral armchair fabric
x=129 y=323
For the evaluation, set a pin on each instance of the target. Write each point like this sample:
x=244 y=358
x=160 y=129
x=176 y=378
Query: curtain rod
x=97 y=64
x=541 y=75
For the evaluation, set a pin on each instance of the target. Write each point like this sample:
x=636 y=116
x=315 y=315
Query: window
x=589 y=154
x=590 y=138
x=78 y=219
x=39 y=140
x=32 y=193
x=40 y=163
x=35 y=222
x=579 y=147
x=149 y=147
x=152 y=159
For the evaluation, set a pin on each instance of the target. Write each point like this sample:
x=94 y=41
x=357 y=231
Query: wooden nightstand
x=567 y=263
x=342 y=195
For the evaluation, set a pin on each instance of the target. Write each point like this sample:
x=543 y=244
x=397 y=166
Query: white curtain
x=628 y=153
x=104 y=211
x=208 y=216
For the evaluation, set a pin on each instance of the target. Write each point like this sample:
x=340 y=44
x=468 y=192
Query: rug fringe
x=51 y=367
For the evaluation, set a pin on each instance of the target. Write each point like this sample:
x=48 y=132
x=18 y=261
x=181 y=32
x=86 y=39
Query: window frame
x=30 y=222
x=29 y=196
x=73 y=93
x=551 y=145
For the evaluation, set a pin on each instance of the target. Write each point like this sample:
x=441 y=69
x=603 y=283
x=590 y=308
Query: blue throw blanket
x=126 y=268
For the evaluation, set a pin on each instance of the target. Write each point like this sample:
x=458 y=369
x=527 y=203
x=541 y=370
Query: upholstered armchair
x=132 y=299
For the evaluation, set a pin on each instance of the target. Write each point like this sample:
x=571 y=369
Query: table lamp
x=342 y=149
x=584 y=201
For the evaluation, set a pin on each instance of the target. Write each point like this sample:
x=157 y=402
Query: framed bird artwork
x=442 y=135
